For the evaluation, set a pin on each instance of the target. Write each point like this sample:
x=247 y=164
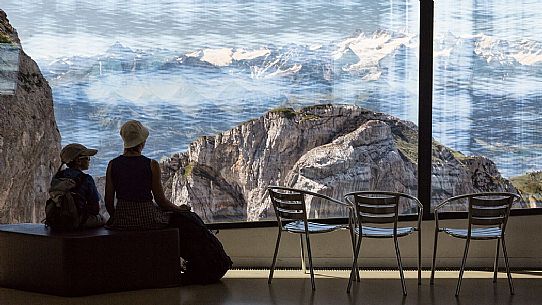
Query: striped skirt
x=133 y=215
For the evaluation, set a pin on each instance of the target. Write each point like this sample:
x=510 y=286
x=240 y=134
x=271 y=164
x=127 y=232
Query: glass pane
x=488 y=92
x=189 y=69
x=9 y=67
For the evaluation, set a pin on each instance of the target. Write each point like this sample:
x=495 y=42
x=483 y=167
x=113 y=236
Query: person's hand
x=185 y=208
x=109 y=221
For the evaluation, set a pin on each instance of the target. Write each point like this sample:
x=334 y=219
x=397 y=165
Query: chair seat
x=314 y=227
x=477 y=233
x=384 y=232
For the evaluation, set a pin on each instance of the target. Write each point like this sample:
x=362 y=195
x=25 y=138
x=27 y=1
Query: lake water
x=193 y=68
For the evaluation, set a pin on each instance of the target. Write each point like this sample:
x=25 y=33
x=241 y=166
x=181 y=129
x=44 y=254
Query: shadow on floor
x=285 y=291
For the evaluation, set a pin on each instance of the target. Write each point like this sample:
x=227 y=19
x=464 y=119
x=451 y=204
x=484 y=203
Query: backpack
x=206 y=260
x=61 y=209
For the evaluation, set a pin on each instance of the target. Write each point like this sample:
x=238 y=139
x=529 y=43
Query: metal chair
x=488 y=215
x=381 y=208
x=291 y=212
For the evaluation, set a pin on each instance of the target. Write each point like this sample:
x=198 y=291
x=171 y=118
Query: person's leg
x=189 y=233
x=182 y=222
x=198 y=247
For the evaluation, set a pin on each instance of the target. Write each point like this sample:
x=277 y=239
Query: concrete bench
x=34 y=258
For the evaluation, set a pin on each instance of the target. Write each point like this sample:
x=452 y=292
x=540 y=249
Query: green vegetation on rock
x=458 y=155
x=409 y=149
x=187 y=171
x=288 y=113
x=291 y=113
x=316 y=107
x=406 y=141
x=530 y=183
x=4 y=38
x=309 y=117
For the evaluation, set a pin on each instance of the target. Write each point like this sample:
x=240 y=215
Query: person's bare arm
x=109 y=192
x=158 y=191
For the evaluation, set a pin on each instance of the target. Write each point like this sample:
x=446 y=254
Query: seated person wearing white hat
x=77 y=159
x=134 y=180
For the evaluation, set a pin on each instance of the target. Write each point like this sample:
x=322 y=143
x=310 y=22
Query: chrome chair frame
x=369 y=209
x=291 y=212
x=487 y=220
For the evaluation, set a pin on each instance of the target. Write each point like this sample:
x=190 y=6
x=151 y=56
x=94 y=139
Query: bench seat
x=93 y=261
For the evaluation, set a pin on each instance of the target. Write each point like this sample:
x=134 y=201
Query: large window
x=192 y=71
x=488 y=91
x=224 y=87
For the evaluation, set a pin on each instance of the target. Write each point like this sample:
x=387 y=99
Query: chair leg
x=272 y=269
x=462 y=267
x=496 y=264
x=420 y=256
x=353 y=238
x=354 y=264
x=303 y=262
x=505 y=254
x=400 y=264
x=433 y=266
x=310 y=261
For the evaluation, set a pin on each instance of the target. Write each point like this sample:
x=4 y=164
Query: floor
x=293 y=287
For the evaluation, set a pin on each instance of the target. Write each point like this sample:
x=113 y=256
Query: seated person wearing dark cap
x=77 y=159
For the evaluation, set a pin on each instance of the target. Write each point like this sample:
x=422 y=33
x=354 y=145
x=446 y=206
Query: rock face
x=29 y=138
x=327 y=149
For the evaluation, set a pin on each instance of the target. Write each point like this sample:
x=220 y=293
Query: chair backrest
x=489 y=209
x=376 y=207
x=288 y=204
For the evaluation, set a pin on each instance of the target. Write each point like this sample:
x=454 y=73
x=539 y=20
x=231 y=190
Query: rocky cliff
x=329 y=149
x=29 y=138
x=529 y=186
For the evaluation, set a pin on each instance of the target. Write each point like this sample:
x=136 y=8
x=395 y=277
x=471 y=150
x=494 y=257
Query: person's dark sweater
x=132 y=178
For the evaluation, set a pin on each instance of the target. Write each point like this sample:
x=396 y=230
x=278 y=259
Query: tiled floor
x=293 y=287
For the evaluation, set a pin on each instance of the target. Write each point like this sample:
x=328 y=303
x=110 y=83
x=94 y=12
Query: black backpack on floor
x=206 y=260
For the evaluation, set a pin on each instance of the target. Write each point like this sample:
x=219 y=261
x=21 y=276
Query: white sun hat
x=133 y=133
